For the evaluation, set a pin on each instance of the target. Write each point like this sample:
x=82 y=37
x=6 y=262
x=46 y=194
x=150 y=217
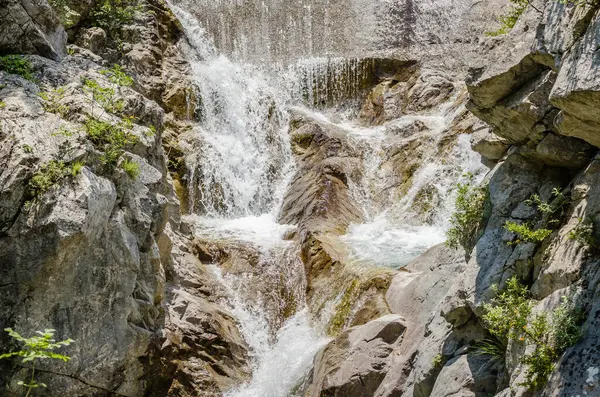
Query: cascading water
x=243 y=166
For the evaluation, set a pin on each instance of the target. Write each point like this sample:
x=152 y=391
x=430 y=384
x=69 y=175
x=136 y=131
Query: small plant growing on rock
x=131 y=168
x=50 y=174
x=470 y=205
x=526 y=233
x=67 y=15
x=583 y=233
x=39 y=347
x=437 y=361
x=53 y=101
x=117 y=75
x=16 y=64
x=110 y=138
x=104 y=96
x=507 y=318
x=506 y=314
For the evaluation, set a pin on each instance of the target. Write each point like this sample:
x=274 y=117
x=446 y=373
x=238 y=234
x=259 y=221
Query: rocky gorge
x=251 y=199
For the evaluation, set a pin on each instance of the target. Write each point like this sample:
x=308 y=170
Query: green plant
x=110 y=15
x=76 y=168
x=506 y=314
x=36 y=348
x=507 y=317
x=552 y=335
x=437 y=361
x=111 y=138
x=67 y=15
x=526 y=233
x=117 y=75
x=583 y=233
x=470 y=205
x=47 y=176
x=131 y=168
x=16 y=64
x=2 y=104
x=490 y=347
x=52 y=101
x=104 y=96
x=64 y=132
x=27 y=149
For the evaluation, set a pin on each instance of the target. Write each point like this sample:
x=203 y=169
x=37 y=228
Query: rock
x=462 y=377
x=490 y=146
x=92 y=39
x=31 y=27
x=355 y=363
x=560 y=151
x=577 y=88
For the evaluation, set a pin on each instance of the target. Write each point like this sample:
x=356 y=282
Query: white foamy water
x=241 y=169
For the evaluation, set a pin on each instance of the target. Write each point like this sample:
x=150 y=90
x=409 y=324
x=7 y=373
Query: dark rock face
x=31 y=27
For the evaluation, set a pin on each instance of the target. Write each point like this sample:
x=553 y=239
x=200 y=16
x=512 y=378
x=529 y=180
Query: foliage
x=117 y=75
x=104 y=96
x=526 y=233
x=50 y=174
x=470 y=204
x=506 y=314
x=16 y=64
x=27 y=148
x=551 y=213
x=52 y=101
x=342 y=310
x=583 y=233
x=111 y=138
x=438 y=361
x=39 y=347
x=76 y=168
x=67 y=15
x=507 y=318
x=110 y=15
x=509 y=19
x=2 y=104
x=131 y=168
x=552 y=335
x=491 y=347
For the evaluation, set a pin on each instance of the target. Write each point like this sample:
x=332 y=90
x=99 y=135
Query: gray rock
x=355 y=363
x=31 y=27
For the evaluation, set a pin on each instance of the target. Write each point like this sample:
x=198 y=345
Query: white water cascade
x=242 y=167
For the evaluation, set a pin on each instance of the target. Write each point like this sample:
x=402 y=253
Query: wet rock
x=355 y=363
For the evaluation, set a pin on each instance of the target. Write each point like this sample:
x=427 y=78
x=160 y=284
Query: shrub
x=491 y=347
x=110 y=138
x=506 y=318
x=110 y=15
x=506 y=314
x=470 y=204
x=16 y=64
x=36 y=348
x=104 y=96
x=131 y=168
x=52 y=101
x=526 y=233
x=583 y=233
x=117 y=75
x=67 y=15
x=50 y=174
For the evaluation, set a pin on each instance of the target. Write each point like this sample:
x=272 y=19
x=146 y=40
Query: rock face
x=97 y=253
x=31 y=27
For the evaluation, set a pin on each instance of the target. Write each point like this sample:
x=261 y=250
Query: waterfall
x=241 y=165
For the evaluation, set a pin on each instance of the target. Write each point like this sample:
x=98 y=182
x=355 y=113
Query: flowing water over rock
x=241 y=165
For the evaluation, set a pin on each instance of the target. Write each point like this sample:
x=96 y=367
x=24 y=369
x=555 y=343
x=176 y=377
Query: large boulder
x=355 y=363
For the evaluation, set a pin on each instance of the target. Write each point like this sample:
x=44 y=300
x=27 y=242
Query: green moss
x=343 y=309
